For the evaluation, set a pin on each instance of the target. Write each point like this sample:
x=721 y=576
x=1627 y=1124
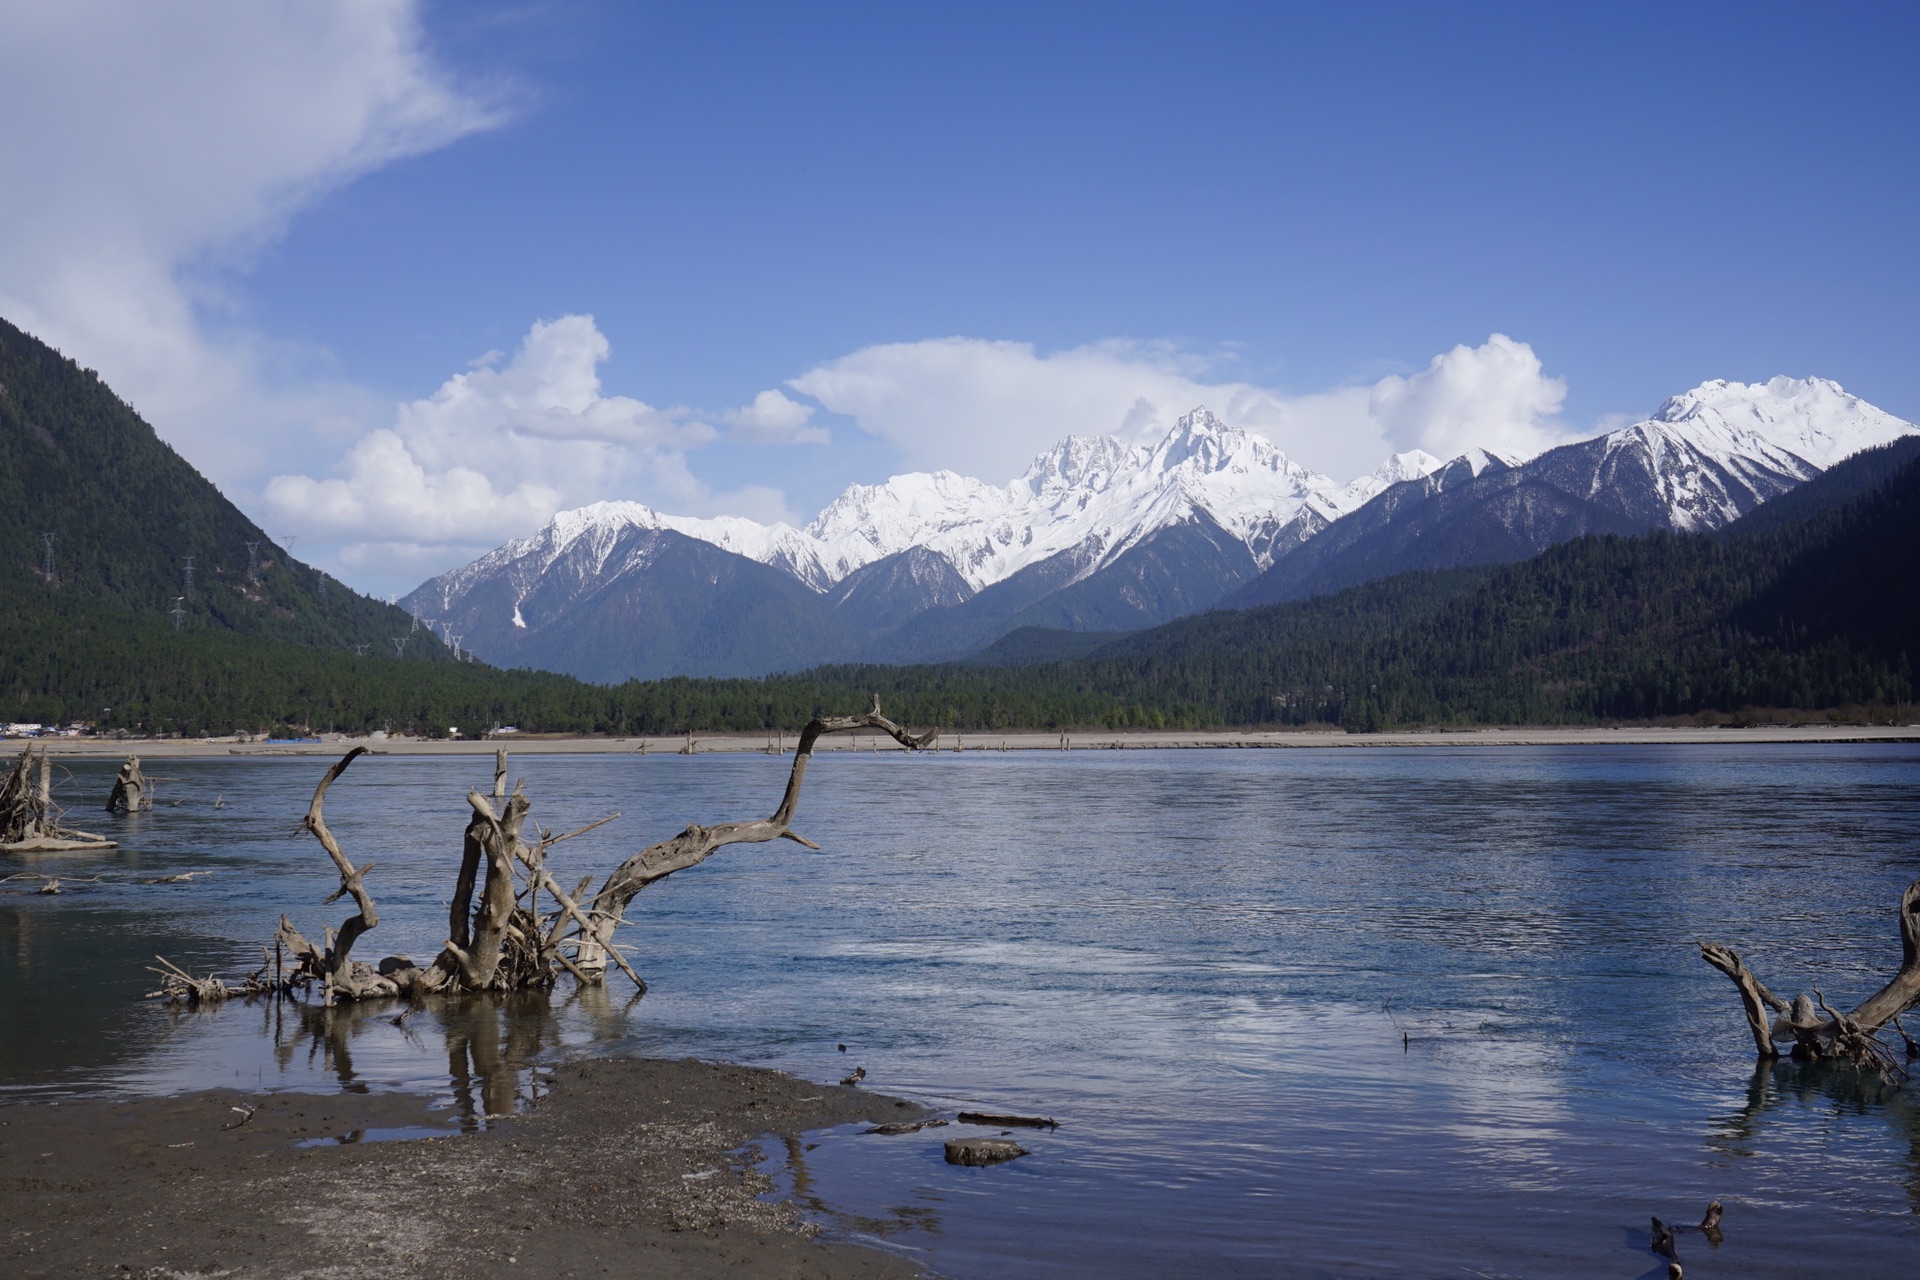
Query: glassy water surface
x=1299 y=1013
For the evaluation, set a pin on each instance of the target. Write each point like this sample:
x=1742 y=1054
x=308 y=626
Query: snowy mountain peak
x=1710 y=453
x=1205 y=441
x=1478 y=460
x=1814 y=419
x=1079 y=462
x=1411 y=465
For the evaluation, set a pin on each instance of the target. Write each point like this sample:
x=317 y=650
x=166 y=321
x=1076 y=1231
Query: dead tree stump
x=525 y=930
x=132 y=793
x=1814 y=1029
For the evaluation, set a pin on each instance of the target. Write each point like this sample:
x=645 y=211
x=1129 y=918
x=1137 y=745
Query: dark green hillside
x=126 y=511
x=1809 y=614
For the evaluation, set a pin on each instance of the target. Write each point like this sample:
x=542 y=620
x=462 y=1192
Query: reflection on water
x=1782 y=1096
x=1432 y=1012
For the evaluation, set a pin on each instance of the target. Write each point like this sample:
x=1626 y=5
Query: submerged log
x=1813 y=1028
x=994 y=1119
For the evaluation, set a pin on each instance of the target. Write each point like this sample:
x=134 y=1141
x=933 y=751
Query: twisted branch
x=1847 y=1036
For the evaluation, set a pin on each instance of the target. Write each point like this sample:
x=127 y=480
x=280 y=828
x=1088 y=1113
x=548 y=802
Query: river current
x=1325 y=1012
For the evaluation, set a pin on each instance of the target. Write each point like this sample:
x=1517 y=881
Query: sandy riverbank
x=623 y=1169
x=733 y=743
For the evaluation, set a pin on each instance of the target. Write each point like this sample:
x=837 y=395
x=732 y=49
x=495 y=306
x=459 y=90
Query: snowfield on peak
x=1716 y=451
x=1813 y=419
x=1095 y=495
x=1090 y=493
x=1707 y=455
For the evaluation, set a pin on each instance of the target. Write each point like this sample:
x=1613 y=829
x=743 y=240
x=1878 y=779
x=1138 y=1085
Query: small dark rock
x=983 y=1151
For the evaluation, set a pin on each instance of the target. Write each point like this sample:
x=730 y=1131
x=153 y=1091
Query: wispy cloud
x=148 y=146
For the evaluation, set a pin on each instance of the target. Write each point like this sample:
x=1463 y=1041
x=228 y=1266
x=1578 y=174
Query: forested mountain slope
x=1810 y=612
x=125 y=512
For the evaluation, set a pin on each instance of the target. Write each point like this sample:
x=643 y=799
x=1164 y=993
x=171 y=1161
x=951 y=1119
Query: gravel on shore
x=624 y=1168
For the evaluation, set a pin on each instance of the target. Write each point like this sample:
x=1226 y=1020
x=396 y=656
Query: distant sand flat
x=1022 y=740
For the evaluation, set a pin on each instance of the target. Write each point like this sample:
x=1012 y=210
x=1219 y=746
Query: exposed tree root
x=1817 y=1031
x=29 y=819
x=525 y=930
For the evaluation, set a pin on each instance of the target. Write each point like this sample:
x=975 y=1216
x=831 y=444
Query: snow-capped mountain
x=1099 y=534
x=1091 y=494
x=1702 y=461
x=1714 y=453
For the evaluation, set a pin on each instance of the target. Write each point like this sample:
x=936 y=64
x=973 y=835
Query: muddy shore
x=622 y=1169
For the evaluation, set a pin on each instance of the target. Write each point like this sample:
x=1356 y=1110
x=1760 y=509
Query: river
x=1397 y=1012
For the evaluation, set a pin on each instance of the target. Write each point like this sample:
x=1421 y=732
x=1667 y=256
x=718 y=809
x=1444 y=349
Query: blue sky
x=1283 y=203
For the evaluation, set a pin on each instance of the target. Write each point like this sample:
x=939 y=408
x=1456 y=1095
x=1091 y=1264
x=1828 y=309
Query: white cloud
x=495 y=452
x=150 y=145
x=985 y=408
x=1493 y=396
x=773 y=418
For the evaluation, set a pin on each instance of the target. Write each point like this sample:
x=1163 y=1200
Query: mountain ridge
x=1101 y=535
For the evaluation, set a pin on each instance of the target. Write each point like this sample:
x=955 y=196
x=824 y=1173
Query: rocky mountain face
x=1704 y=460
x=633 y=603
x=1102 y=536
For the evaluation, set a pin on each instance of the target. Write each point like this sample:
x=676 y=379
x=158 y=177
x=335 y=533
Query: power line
x=253 y=564
x=189 y=576
x=361 y=649
x=48 y=570
x=177 y=611
x=400 y=645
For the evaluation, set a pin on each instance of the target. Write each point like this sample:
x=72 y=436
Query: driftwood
x=1813 y=1028
x=132 y=792
x=1665 y=1237
x=995 y=1120
x=29 y=819
x=510 y=924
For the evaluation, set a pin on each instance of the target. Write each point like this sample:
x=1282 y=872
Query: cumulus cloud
x=497 y=450
x=1494 y=396
x=152 y=145
x=985 y=408
x=773 y=418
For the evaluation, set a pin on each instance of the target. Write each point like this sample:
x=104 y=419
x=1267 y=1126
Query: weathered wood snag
x=510 y=939
x=1814 y=1029
x=132 y=793
x=29 y=819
